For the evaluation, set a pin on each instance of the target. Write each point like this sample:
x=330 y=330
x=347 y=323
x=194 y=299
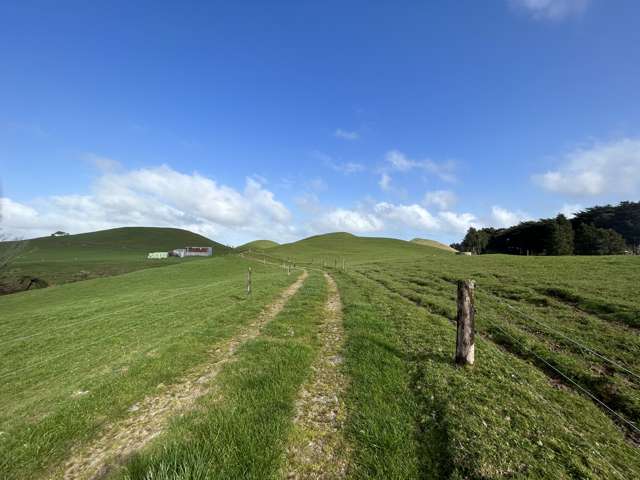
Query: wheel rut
x=317 y=448
x=149 y=417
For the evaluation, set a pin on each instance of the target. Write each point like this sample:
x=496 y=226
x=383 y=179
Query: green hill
x=125 y=240
x=68 y=258
x=433 y=243
x=257 y=245
x=332 y=248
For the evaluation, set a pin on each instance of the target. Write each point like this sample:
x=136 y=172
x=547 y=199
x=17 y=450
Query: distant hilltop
x=433 y=243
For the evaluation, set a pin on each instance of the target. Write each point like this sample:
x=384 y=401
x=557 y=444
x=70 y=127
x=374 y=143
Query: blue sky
x=244 y=120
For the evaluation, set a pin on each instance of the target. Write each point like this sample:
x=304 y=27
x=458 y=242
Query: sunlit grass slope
x=76 y=356
x=433 y=243
x=333 y=248
x=103 y=253
x=257 y=245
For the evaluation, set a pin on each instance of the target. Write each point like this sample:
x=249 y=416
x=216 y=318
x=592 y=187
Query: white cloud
x=412 y=216
x=157 y=196
x=346 y=135
x=104 y=164
x=349 y=220
x=457 y=222
x=385 y=182
x=385 y=216
x=443 y=199
x=603 y=168
x=342 y=167
x=348 y=167
x=569 y=210
x=502 y=218
x=398 y=161
x=550 y=9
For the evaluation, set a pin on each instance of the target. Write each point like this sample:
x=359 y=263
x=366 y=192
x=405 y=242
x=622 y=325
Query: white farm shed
x=192 y=252
x=157 y=255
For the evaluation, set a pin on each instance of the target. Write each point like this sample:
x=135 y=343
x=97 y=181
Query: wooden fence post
x=465 y=346
x=249 y=281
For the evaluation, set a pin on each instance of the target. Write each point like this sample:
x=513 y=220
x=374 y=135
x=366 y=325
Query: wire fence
x=579 y=344
x=557 y=370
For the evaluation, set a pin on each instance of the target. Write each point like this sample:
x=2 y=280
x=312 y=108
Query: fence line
x=566 y=337
x=576 y=384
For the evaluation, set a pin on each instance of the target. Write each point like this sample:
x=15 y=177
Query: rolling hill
x=336 y=247
x=257 y=245
x=125 y=240
x=57 y=260
x=433 y=243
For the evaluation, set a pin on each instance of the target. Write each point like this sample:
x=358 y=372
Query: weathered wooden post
x=465 y=344
x=249 y=281
x=289 y=269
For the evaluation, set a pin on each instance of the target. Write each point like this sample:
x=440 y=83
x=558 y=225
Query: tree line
x=599 y=230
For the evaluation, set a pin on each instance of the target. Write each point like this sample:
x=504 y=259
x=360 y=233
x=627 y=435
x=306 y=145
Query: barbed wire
x=566 y=337
x=572 y=381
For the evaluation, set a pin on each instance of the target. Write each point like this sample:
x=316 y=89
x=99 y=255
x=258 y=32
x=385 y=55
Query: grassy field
x=539 y=318
x=75 y=357
x=504 y=417
x=57 y=260
x=241 y=430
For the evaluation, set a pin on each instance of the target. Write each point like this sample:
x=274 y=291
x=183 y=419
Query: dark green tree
x=559 y=236
x=591 y=240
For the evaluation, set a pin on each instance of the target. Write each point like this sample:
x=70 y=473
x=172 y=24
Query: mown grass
x=240 y=430
x=501 y=418
x=76 y=356
x=381 y=408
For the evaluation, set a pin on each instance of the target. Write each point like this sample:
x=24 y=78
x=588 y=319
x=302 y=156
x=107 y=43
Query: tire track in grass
x=150 y=416
x=317 y=448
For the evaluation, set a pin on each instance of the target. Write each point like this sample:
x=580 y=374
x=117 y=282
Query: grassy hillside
x=75 y=357
x=433 y=243
x=332 y=248
x=126 y=240
x=59 y=260
x=257 y=245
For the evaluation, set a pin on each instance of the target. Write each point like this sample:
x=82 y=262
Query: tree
x=591 y=240
x=560 y=236
x=476 y=241
x=623 y=218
